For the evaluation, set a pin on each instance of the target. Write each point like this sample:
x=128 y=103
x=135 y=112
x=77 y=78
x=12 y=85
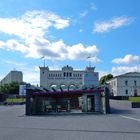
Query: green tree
x=105 y=78
x=11 y=88
x=4 y=89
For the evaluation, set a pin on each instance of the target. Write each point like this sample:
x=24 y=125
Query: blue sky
x=67 y=32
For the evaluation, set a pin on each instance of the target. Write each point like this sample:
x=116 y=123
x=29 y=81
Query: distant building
x=125 y=85
x=12 y=76
x=68 y=77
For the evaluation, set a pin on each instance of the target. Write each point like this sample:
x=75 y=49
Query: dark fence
x=119 y=97
x=135 y=104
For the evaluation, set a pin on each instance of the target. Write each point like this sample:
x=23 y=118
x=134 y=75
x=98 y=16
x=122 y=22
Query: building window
x=64 y=74
x=70 y=74
x=126 y=82
x=135 y=92
x=135 y=83
x=126 y=91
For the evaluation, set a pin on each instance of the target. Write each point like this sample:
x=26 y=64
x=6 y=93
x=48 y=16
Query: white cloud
x=102 y=73
x=59 y=51
x=14 y=45
x=95 y=60
x=30 y=75
x=114 y=23
x=15 y=63
x=54 y=50
x=124 y=69
x=32 y=24
x=2 y=44
x=127 y=59
x=31 y=30
x=55 y=67
x=79 y=52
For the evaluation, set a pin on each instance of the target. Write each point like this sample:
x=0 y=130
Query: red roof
x=65 y=93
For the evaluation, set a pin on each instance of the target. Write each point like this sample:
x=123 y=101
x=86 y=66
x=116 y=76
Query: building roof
x=13 y=75
x=129 y=74
x=64 y=93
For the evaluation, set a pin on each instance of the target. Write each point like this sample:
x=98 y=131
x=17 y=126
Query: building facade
x=68 y=77
x=125 y=85
x=12 y=76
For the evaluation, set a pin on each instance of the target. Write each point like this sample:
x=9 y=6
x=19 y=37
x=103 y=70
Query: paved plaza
x=122 y=124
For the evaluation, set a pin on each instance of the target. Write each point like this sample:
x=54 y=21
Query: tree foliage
x=10 y=89
x=105 y=78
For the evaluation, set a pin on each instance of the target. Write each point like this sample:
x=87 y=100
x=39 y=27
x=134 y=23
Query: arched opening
x=63 y=87
x=54 y=87
x=72 y=87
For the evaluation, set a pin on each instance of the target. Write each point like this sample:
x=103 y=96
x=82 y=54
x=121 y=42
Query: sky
x=105 y=33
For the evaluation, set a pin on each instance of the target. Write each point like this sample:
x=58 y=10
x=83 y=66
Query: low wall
x=120 y=104
x=123 y=104
x=135 y=104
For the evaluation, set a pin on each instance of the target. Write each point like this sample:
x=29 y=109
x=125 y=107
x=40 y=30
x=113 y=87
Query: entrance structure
x=44 y=101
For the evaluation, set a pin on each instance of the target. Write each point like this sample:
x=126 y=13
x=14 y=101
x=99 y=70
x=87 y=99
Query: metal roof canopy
x=67 y=93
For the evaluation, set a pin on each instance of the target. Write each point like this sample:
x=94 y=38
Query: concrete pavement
x=14 y=125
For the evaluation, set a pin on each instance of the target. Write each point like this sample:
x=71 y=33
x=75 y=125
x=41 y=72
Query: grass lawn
x=15 y=100
x=134 y=99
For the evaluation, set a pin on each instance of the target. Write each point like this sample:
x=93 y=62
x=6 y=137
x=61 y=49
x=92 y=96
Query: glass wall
x=44 y=105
